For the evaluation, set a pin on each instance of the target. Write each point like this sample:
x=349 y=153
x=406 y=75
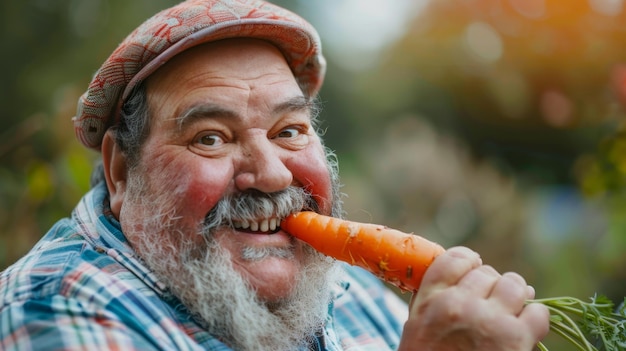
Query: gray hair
x=130 y=133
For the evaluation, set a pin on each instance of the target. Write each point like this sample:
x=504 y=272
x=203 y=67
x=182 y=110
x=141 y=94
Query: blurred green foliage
x=51 y=49
x=495 y=124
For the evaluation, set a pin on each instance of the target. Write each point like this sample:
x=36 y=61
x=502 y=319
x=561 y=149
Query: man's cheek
x=315 y=177
x=202 y=188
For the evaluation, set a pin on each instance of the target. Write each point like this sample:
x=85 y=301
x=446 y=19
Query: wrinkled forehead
x=230 y=77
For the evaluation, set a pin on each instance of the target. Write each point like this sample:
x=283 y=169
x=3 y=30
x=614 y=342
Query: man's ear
x=115 y=171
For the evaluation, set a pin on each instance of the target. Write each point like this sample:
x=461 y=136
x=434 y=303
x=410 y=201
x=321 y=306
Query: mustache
x=252 y=205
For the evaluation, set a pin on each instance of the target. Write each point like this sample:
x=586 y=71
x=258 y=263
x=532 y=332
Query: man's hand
x=465 y=305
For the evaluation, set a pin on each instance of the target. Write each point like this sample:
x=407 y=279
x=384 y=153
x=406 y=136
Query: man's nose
x=262 y=168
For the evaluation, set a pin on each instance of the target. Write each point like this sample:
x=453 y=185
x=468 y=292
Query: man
x=205 y=119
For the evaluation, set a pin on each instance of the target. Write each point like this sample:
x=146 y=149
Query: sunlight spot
x=483 y=42
x=607 y=7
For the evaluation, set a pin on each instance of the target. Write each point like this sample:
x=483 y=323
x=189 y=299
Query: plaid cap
x=181 y=27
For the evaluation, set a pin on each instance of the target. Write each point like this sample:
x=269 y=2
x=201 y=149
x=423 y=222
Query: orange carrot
x=396 y=257
x=402 y=259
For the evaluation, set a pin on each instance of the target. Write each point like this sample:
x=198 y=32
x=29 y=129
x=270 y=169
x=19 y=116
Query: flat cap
x=181 y=27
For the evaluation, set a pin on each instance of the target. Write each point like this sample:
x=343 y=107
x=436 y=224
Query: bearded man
x=205 y=117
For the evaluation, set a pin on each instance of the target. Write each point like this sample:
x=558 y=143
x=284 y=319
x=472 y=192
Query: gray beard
x=202 y=276
x=222 y=301
x=219 y=298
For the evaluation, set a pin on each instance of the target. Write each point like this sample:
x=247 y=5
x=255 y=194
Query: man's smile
x=261 y=226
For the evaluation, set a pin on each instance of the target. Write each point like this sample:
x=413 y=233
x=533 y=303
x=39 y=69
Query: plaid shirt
x=82 y=288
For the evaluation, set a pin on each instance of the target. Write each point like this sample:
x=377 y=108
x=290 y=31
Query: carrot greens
x=589 y=326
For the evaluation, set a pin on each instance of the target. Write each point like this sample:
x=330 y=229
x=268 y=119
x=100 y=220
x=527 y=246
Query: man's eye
x=288 y=133
x=210 y=140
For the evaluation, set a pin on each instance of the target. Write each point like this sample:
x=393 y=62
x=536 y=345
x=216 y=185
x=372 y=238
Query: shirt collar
x=97 y=224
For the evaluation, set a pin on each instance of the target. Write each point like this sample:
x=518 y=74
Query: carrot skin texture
x=396 y=257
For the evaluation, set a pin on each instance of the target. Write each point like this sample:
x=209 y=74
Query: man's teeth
x=268 y=224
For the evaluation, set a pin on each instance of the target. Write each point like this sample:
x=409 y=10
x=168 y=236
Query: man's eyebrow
x=208 y=110
x=200 y=112
x=297 y=103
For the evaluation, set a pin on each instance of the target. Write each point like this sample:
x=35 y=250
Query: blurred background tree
x=51 y=49
x=495 y=124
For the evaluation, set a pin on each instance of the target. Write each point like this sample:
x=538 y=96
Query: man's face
x=229 y=118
